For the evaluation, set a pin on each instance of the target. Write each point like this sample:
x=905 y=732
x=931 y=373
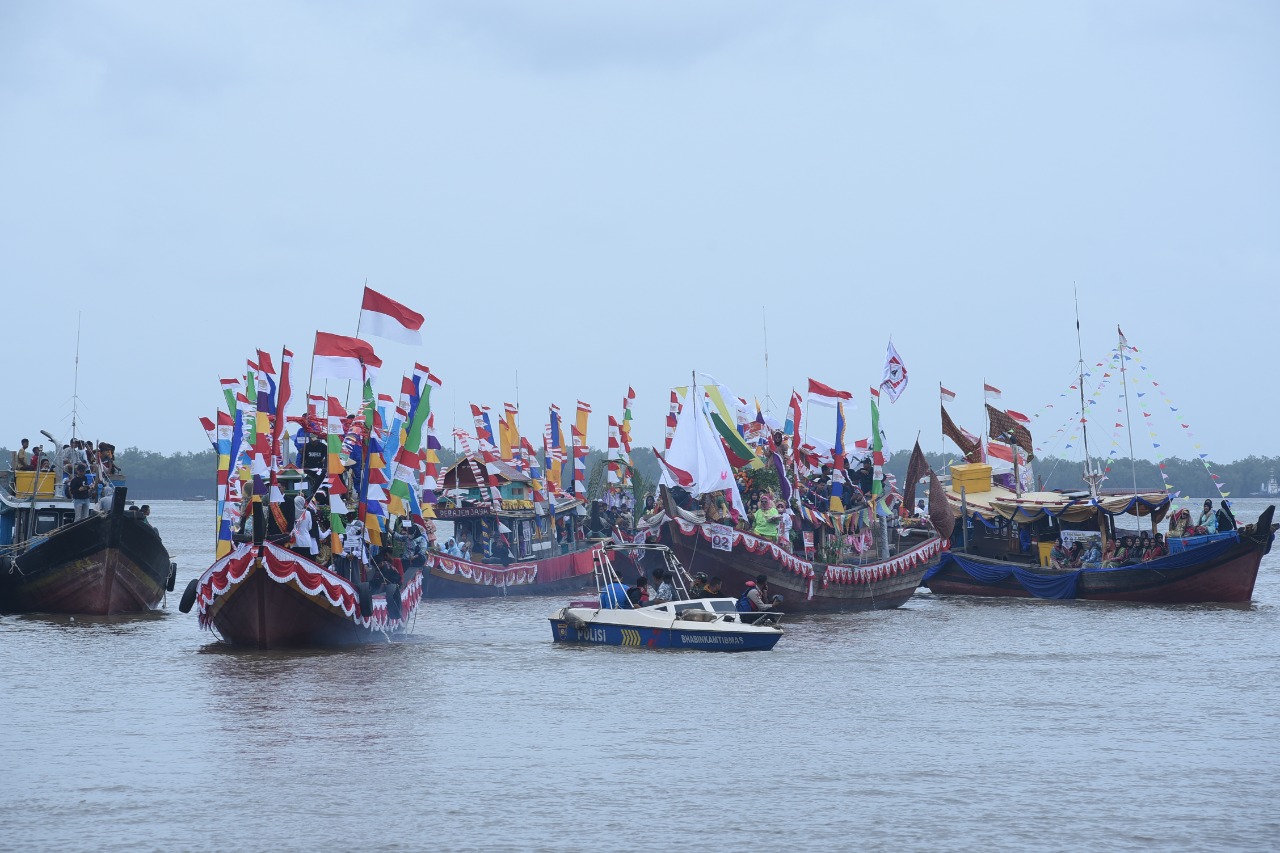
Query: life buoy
x=188 y=595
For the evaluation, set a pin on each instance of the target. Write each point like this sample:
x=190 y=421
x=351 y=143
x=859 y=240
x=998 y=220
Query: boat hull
x=1221 y=577
x=101 y=566
x=449 y=577
x=806 y=587
x=597 y=634
x=281 y=600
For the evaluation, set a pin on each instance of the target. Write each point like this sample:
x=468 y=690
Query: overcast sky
x=604 y=194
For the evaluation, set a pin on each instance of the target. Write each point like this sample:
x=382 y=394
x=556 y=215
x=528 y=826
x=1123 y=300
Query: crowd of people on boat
x=662 y=586
x=84 y=471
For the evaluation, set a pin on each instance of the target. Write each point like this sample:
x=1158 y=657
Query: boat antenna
x=75 y=386
x=1093 y=479
x=1128 y=421
x=764 y=318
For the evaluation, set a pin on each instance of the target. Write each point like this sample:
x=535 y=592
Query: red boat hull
x=101 y=566
x=805 y=587
x=449 y=577
x=281 y=600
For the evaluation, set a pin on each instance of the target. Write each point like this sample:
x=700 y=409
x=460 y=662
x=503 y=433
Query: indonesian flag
x=386 y=318
x=1124 y=342
x=341 y=357
x=825 y=395
x=681 y=476
x=991 y=391
x=1018 y=416
x=947 y=396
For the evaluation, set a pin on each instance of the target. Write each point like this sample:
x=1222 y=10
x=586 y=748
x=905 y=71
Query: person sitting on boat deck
x=765 y=519
x=1092 y=555
x=382 y=574
x=146 y=516
x=1159 y=548
x=752 y=598
x=714 y=587
x=666 y=591
x=80 y=493
x=921 y=511
x=104 y=503
x=699 y=588
x=451 y=548
x=1226 y=518
x=638 y=592
x=1208 y=521
x=415 y=553
x=1059 y=556
x=1109 y=553
x=1075 y=556
x=864 y=477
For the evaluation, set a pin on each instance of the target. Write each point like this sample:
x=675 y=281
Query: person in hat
x=1225 y=517
x=1208 y=520
x=699 y=588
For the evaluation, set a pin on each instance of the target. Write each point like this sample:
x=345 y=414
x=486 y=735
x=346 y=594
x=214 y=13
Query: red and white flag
x=947 y=396
x=990 y=391
x=382 y=316
x=825 y=395
x=341 y=357
x=1018 y=416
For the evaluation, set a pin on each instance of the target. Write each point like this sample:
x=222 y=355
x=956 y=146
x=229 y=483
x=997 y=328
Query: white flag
x=894 y=381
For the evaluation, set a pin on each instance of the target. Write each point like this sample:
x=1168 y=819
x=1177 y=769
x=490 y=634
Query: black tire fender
x=173 y=576
x=188 y=596
x=364 y=596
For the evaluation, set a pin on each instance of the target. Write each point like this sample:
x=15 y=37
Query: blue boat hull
x=663 y=638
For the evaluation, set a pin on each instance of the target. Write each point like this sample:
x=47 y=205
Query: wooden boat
x=101 y=565
x=514 y=550
x=702 y=624
x=1222 y=569
x=266 y=597
x=806 y=586
x=452 y=577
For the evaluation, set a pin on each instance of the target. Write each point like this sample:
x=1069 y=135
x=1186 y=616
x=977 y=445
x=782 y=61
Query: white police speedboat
x=709 y=624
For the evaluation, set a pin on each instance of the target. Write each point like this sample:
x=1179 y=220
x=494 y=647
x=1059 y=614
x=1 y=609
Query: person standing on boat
x=354 y=555
x=1225 y=517
x=303 y=542
x=79 y=492
x=315 y=457
x=765 y=519
x=22 y=458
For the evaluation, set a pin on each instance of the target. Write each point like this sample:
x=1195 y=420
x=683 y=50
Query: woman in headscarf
x=1208 y=520
x=303 y=542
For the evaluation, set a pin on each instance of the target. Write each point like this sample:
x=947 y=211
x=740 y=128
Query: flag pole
x=346 y=400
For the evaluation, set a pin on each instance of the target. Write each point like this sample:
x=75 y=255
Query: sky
x=584 y=196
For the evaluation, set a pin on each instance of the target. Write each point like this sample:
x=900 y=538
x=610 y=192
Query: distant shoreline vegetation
x=159 y=476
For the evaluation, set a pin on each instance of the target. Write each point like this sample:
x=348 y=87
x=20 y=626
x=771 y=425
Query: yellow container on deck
x=45 y=483
x=971 y=476
x=1045 y=548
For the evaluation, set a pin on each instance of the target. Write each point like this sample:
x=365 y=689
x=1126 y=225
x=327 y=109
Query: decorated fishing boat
x=336 y=532
x=263 y=596
x=807 y=586
x=1016 y=541
x=104 y=564
x=705 y=624
x=855 y=557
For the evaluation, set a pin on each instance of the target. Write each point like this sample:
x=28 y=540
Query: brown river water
x=950 y=724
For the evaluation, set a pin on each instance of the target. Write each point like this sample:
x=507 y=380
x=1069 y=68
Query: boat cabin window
x=47 y=521
x=690 y=605
x=664 y=608
x=724 y=606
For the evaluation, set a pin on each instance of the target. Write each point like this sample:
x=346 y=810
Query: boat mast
x=764 y=318
x=1128 y=421
x=1090 y=477
x=75 y=386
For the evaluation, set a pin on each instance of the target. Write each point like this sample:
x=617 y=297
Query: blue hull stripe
x=662 y=638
